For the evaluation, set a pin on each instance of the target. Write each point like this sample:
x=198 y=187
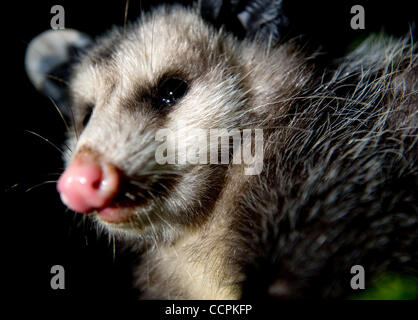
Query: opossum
x=338 y=185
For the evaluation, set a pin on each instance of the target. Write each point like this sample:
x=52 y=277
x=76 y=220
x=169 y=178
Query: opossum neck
x=200 y=263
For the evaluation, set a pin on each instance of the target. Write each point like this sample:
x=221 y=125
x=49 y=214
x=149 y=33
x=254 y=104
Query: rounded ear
x=48 y=60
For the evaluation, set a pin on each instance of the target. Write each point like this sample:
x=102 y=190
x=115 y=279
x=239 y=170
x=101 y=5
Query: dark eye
x=169 y=91
x=87 y=116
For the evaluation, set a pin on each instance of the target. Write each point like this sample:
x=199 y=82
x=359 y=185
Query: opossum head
x=169 y=71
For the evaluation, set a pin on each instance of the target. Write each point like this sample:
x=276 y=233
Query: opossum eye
x=169 y=91
x=87 y=115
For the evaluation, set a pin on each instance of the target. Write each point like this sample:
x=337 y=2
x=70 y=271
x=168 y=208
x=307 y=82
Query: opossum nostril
x=88 y=184
x=96 y=184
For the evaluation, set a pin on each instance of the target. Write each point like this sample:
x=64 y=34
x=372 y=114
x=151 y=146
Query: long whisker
x=74 y=123
x=60 y=113
x=152 y=42
x=126 y=16
x=12 y=187
x=153 y=231
x=165 y=221
x=48 y=141
x=53 y=77
x=40 y=184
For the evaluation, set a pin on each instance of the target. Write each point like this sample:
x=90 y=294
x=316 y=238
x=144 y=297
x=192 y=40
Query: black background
x=37 y=231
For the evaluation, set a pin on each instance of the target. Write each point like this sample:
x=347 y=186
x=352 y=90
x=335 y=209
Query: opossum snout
x=88 y=183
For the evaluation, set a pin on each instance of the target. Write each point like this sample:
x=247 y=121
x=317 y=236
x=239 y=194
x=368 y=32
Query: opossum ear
x=48 y=60
x=264 y=20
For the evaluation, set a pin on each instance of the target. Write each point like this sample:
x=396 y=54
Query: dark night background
x=37 y=231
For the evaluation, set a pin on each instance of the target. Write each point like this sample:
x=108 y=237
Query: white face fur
x=118 y=79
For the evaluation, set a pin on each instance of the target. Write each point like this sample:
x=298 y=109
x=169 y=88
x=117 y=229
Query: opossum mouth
x=120 y=211
x=134 y=203
x=114 y=214
x=123 y=210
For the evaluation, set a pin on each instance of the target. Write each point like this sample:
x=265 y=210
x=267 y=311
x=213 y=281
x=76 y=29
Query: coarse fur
x=339 y=182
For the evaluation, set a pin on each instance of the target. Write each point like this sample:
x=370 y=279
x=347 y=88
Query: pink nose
x=88 y=184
